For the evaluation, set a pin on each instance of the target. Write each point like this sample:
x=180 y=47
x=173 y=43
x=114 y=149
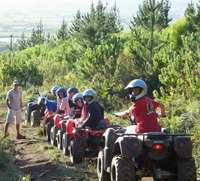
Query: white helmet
x=42 y=98
x=77 y=96
x=89 y=92
x=137 y=83
x=55 y=88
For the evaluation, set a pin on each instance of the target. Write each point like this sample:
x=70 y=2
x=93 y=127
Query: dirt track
x=30 y=158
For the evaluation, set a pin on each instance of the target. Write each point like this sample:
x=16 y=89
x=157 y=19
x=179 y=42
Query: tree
x=151 y=12
x=97 y=25
x=193 y=16
x=22 y=42
x=146 y=41
x=37 y=36
x=62 y=33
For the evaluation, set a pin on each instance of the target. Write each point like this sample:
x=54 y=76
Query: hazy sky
x=25 y=14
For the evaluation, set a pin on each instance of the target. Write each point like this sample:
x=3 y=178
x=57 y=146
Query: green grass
x=8 y=170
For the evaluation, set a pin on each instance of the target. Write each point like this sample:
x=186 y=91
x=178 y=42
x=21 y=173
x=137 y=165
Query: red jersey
x=145 y=115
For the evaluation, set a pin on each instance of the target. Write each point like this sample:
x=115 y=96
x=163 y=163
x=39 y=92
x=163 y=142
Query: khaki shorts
x=13 y=115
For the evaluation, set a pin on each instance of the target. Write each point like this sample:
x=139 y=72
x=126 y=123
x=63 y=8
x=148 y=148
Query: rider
x=143 y=108
x=64 y=106
x=54 y=89
x=50 y=105
x=79 y=105
x=70 y=93
x=94 y=114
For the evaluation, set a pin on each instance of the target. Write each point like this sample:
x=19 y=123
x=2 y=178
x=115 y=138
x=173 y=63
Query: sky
x=23 y=15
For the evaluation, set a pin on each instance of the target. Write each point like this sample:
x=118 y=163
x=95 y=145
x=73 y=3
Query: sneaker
x=5 y=136
x=19 y=136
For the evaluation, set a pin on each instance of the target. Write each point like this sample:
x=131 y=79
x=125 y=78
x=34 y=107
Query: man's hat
x=15 y=82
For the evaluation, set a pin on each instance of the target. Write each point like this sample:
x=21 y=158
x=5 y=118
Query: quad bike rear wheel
x=76 y=152
x=48 y=132
x=53 y=132
x=122 y=168
x=186 y=170
x=59 y=139
x=35 y=118
x=102 y=174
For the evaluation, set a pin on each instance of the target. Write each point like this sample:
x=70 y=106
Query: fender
x=108 y=138
x=128 y=146
x=183 y=147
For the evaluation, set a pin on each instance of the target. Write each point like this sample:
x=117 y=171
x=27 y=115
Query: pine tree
x=193 y=16
x=97 y=25
x=38 y=35
x=147 y=21
x=22 y=42
x=62 y=33
x=150 y=9
x=146 y=40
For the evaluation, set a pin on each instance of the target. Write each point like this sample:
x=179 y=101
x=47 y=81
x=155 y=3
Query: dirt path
x=31 y=159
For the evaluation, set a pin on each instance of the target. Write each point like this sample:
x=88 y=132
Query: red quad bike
x=48 y=123
x=128 y=156
x=57 y=131
x=83 y=142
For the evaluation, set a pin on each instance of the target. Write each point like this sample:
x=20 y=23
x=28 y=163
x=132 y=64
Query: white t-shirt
x=65 y=107
x=14 y=98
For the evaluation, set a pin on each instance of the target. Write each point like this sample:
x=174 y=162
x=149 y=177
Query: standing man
x=14 y=103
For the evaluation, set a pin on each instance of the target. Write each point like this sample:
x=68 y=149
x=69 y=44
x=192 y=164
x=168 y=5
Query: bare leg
x=17 y=128
x=6 y=128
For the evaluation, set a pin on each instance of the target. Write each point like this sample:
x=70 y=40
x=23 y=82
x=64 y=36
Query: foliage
x=180 y=79
x=99 y=66
x=178 y=29
x=13 y=66
x=5 y=152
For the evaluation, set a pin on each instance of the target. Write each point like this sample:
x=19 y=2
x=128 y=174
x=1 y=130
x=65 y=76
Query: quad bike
x=83 y=142
x=57 y=131
x=128 y=156
x=48 y=123
x=34 y=112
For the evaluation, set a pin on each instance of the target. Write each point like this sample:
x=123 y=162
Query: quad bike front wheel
x=27 y=118
x=48 y=132
x=59 y=140
x=64 y=144
x=186 y=170
x=122 y=168
x=101 y=173
x=35 y=118
x=44 y=124
x=76 y=152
